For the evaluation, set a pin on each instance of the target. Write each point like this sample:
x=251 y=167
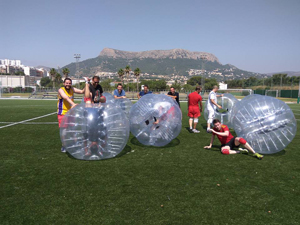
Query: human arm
x=223 y=134
x=78 y=91
x=213 y=102
x=200 y=104
x=211 y=142
x=138 y=95
x=221 y=95
x=64 y=96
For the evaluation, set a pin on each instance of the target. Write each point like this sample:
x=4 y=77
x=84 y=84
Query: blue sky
x=254 y=35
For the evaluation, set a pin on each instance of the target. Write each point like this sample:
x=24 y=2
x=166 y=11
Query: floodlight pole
x=77 y=57
x=203 y=58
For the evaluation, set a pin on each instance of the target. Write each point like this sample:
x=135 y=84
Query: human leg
x=227 y=151
x=240 y=140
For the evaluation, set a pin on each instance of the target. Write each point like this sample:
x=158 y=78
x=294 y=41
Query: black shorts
x=231 y=144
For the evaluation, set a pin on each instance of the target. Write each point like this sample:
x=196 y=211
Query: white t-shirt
x=212 y=95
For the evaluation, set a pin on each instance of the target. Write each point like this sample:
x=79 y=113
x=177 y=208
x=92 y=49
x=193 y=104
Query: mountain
x=160 y=62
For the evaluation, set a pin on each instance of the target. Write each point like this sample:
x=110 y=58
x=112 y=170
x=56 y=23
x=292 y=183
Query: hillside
x=159 y=62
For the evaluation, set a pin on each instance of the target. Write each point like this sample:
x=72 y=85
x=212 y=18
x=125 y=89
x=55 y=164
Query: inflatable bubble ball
x=155 y=120
x=227 y=102
x=125 y=105
x=267 y=124
x=94 y=131
x=109 y=97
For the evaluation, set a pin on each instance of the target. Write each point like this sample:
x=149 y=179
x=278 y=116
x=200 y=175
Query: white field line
x=31 y=123
x=24 y=121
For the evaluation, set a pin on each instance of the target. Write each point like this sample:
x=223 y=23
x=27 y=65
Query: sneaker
x=243 y=150
x=63 y=150
x=208 y=130
x=196 y=131
x=259 y=156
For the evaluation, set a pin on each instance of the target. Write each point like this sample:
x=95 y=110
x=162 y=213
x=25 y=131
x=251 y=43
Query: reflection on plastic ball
x=109 y=97
x=125 y=105
x=268 y=124
x=94 y=131
x=227 y=102
x=155 y=120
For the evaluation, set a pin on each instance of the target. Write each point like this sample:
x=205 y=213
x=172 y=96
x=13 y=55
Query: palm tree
x=53 y=74
x=127 y=71
x=58 y=78
x=66 y=72
x=137 y=73
x=121 y=74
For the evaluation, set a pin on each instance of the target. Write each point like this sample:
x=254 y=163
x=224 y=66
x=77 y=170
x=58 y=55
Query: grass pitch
x=181 y=183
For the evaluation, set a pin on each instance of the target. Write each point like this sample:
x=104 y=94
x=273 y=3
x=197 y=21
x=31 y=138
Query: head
x=172 y=90
x=96 y=80
x=67 y=83
x=217 y=124
x=198 y=89
x=146 y=88
x=120 y=87
x=215 y=88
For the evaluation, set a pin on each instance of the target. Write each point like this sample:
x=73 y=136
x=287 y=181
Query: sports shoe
x=259 y=156
x=63 y=150
x=196 y=131
x=243 y=150
x=208 y=130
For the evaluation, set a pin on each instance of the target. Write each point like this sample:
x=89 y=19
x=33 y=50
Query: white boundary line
x=30 y=122
x=24 y=121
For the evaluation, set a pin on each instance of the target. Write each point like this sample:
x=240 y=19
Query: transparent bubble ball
x=125 y=105
x=94 y=131
x=155 y=120
x=268 y=124
x=109 y=97
x=227 y=102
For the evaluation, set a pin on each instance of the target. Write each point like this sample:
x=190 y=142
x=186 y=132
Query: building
x=14 y=81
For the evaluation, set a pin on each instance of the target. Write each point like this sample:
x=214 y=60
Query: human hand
x=220 y=107
x=207 y=147
x=73 y=106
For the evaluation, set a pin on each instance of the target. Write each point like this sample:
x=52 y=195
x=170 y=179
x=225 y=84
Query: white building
x=14 y=81
x=222 y=86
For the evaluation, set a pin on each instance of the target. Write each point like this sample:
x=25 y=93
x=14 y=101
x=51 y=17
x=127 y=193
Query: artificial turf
x=181 y=183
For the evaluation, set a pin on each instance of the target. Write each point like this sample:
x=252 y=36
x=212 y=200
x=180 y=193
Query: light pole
x=203 y=59
x=77 y=57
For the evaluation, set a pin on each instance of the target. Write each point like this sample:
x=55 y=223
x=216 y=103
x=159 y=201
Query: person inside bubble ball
x=194 y=101
x=228 y=141
x=94 y=124
x=144 y=92
x=66 y=101
x=212 y=105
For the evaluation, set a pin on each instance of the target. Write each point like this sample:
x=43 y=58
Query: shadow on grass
x=173 y=143
x=276 y=154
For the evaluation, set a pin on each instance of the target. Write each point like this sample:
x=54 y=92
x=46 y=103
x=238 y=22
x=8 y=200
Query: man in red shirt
x=228 y=142
x=193 y=108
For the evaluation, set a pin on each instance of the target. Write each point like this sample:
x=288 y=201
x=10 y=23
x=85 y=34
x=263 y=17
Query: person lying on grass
x=228 y=141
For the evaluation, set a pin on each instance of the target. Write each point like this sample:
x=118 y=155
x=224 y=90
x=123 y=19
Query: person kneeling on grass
x=228 y=141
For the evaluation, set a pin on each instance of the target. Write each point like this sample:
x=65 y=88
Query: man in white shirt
x=212 y=106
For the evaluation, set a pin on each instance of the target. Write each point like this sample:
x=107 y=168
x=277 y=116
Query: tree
x=66 y=72
x=121 y=74
x=195 y=80
x=58 y=79
x=45 y=81
x=127 y=71
x=137 y=73
x=53 y=74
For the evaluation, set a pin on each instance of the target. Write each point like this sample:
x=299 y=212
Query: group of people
x=228 y=141
x=93 y=94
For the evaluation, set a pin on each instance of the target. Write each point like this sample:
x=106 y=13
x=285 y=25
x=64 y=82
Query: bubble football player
x=212 y=105
x=228 y=141
x=119 y=92
x=66 y=101
x=144 y=92
x=194 y=101
x=94 y=117
x=173 y=94
x=95 y=89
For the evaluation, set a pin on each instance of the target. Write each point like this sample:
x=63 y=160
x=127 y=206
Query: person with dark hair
x=119 y=92
x=66 y=101
x=173 y=94
x=144 y=92
x=95 y=89
x=194 y=102
x=228 y=141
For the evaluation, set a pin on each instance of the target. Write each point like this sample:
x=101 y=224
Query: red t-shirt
x=194 y=99
x=224 y=140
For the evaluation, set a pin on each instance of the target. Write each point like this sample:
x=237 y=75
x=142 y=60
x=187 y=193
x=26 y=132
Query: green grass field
x=181 y=183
